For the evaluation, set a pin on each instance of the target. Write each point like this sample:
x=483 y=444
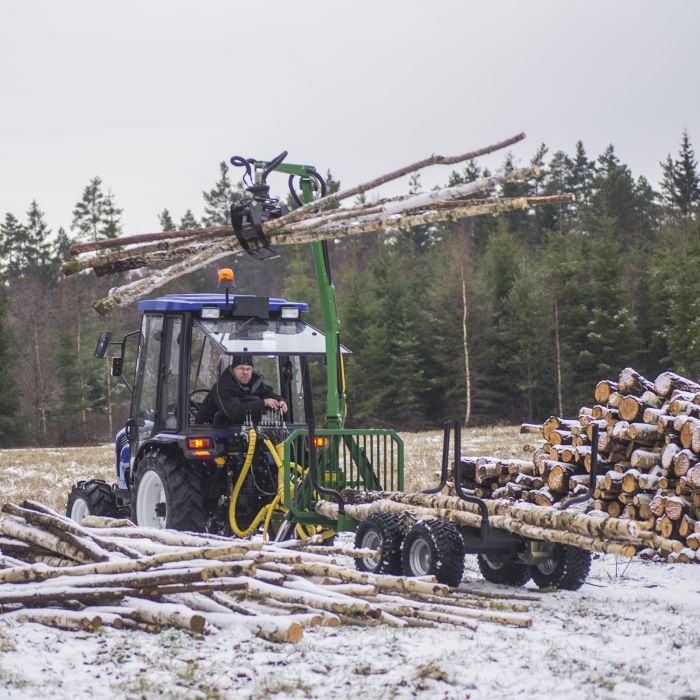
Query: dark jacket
x=229 y=401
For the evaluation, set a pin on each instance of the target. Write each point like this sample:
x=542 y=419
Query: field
x=632 y=630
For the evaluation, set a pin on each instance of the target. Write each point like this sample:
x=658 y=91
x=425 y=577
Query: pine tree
x=60 y=250
x=218 y=200
x=189 y=220
x=37 y=251
x=95 y=216
x=11 y=430
x=166 y=221
x=681 y=179
x=13 y=243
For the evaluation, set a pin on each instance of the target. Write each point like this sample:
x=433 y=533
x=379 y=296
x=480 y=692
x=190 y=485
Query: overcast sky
x=152 y=96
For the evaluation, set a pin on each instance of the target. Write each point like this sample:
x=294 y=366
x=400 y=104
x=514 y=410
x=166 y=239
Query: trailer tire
x=508 y=572
x=93 y=497
x=161 y=475
x=434 y=547
x=382 y=532
x=567 y=568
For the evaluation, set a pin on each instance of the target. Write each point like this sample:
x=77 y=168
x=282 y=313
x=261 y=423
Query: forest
x=495 y=319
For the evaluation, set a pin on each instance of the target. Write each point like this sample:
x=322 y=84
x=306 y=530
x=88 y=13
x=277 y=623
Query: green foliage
x=218 y=200
x=166 y=221
x=681 y=179
x=11 y=427
x=96 y=216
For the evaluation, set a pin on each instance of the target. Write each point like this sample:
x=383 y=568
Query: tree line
x=494 y=319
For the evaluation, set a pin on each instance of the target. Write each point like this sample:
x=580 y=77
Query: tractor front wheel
x=507 y=570
x=168 y=493
x=380 y=532
x=93 y=497
x=566 y=567
x=434 y=547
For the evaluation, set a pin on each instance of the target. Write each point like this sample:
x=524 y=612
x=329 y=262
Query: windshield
x=279 y=336
x=208 y=360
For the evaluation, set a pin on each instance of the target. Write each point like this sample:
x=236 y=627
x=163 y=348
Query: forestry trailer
x=269 y=474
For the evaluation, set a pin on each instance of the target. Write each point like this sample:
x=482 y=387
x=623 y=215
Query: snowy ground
x=632 y=631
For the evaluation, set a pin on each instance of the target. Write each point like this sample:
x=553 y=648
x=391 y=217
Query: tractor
x=267 y=472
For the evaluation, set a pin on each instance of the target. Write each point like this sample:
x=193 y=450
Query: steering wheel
x=195 y=404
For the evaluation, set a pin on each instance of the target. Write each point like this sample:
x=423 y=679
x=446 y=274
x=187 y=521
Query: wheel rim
x=79 y=510
x=371 y=540
x=547 y=566
x=420 y=557
x=493 y=563
x=151 y=493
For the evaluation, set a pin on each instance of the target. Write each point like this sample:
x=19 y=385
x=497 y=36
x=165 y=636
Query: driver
x=239 y=391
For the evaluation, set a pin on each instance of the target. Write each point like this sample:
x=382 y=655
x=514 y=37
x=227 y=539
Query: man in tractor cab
x=238 y=393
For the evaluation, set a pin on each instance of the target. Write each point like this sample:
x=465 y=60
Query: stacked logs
x=649 y=457
x=107 y=572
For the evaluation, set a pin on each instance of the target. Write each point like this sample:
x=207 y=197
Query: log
x=631 y=381
x=645 y=460
x=643 y=432
x=683 y=461
x=695 y=440
x=56 y=617
x=666 y=382
x=675 y=507
x=631 y=408
x=46 y=540
x=603 y=390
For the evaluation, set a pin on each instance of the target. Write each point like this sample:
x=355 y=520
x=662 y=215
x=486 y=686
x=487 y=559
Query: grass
x=47 y=474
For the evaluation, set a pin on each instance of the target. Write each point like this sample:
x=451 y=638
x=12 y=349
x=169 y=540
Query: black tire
x=93 y=497
x=434 y=547
x=380 y=531
x=181 y=487
x=503 y=570
x=567 y=568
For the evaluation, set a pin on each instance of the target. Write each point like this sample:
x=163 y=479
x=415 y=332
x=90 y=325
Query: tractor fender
x=163 y=442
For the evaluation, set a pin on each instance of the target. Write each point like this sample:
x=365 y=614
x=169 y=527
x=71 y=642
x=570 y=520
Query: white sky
x=152 y=95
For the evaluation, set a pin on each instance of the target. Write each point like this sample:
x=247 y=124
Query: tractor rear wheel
x=93 y=497
x=566 y=568
x=168 y=493
x=380 y=532
x=434 y=547
x=503 y=570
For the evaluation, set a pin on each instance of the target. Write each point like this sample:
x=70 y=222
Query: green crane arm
x=335 y=392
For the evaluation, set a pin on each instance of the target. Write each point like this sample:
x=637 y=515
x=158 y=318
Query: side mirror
x=132 y=430
x=117 y=365
x=103 y=344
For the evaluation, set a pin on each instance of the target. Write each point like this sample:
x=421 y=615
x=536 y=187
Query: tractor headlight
x=289 y=312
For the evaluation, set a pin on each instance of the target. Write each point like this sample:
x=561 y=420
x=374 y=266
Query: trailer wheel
x=381 y=532
x=566 y=568
x=507 y=571
x=168 y=493
x=434 y=547
x=93 y=497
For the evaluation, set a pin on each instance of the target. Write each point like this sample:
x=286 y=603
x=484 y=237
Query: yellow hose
x=265 y=513
x=252 y=439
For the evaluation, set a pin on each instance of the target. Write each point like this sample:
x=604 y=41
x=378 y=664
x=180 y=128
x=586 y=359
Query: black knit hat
x=242 y=360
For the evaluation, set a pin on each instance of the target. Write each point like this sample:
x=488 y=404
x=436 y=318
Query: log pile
x=648 y=467
x=107 y=572
x=318 y=220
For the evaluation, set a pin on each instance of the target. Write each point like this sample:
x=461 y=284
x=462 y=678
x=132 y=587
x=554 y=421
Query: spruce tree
x=681 y=179
x=95 y=216
x=38 y=246
x=11 y=430
x=13 y=243
x=166 y=221
x=218 y=200
x=189 y=220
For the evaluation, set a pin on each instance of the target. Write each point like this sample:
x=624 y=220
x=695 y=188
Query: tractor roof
x=195 y=302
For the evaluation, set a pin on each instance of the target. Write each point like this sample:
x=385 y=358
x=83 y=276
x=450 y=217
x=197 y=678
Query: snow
x=632 y=630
